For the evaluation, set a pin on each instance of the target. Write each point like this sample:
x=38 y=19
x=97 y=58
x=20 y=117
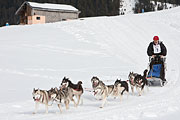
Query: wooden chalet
x=35 y=13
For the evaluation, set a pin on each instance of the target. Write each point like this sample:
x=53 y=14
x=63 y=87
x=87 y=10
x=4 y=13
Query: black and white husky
x=120 y=87
x=101 y=90
x=141 y=82
x=73 y=90
x=132 y=83
x=138 y=81
x=59 y=96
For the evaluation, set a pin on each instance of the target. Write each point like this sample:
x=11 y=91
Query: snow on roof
x=49 y=6
x=52 y=6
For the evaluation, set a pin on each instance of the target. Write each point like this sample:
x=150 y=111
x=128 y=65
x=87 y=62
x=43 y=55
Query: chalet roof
x=48 y=6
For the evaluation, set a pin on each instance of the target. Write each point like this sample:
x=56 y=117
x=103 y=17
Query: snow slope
x=39 y=56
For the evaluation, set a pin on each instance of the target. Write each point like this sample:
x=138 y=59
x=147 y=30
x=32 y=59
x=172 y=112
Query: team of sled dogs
x=67 y=90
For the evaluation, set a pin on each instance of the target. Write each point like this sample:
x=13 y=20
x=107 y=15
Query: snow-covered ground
x=39 y=56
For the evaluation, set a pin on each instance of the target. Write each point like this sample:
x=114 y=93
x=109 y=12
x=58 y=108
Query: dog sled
x=156 y=74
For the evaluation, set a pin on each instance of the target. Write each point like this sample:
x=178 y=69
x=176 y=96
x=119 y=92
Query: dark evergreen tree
x=144 y=5
x=88 y=8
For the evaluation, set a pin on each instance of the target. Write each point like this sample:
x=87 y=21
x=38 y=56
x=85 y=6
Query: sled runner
x=156 y=74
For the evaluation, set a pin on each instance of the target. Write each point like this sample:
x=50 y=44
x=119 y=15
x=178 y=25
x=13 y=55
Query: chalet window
x=38 y=18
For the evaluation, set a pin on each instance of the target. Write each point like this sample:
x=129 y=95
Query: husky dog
x=73 y=89
x=102 y=90
x=140 y=82
x=95 y=81
x=132 y=83
x=120 y=87
x=42 y=96
x=59 y=96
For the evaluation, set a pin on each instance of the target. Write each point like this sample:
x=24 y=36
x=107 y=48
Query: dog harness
x=101 y=92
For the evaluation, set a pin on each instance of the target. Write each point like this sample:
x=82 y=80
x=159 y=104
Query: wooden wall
x=54 y=16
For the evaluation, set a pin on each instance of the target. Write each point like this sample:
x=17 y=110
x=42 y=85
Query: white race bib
x=157 y=48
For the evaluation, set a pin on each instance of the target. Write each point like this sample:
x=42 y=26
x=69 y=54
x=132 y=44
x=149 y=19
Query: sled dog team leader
x=65 y=94
x=68 y=90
